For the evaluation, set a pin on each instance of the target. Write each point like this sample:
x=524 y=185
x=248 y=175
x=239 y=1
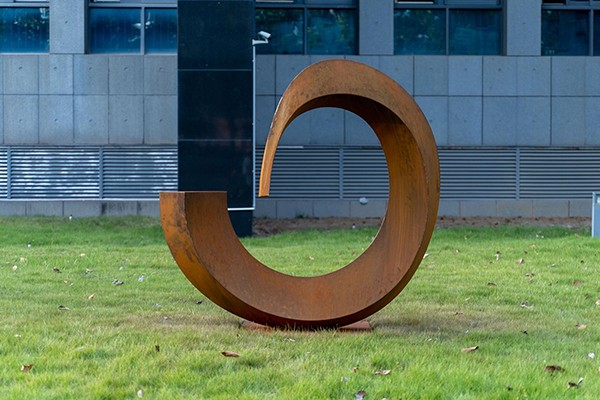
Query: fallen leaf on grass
x=354 y=369
x=491 y=284
x=592 y=355
x=383 y=372
x=140 y=393
x=577 y=385
x=520 y=261
x=56 y=270
x=157 y=348
x=526 y=305
x=68 y=283
x=91 y=296
x=469 y=349
x=580 y=326
x=577 y=283
x=64 y=308
x=360 y=395
x=230 y=354
x=117 y=282
x=345 y=379
x=598 y=303
x=553 y=368
x=14 y=268
x=26 y=368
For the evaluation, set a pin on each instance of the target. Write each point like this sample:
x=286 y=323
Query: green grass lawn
x=525 y=296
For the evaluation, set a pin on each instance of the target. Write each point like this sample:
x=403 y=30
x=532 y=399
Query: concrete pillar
x=523 y=28
x=376 y=27
x=67 y=26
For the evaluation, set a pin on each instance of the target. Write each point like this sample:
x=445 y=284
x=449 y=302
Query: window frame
x=28 y=4
x=447 y=6
x=590 y=6
x=142 y=5
x=305 y=6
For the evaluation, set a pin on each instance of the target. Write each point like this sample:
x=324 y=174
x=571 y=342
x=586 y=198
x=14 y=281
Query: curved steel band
x=203 y=243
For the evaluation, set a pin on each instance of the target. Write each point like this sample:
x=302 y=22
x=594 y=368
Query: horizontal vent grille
x=305 y=173
x=559 y=174
x=87 y=172
x=54 y=174
x=478 y=174
x=365 y=174
x=3 y=173
x=138 y=173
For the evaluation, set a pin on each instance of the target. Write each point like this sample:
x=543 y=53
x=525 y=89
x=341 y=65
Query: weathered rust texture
x=203 y=242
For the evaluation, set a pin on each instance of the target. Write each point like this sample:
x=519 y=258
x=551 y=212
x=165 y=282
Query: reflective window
x=448 y=27
x=331 y=31
x=565 y=33
x=475 y=32
x=420 y=31
x=300 y=27
x=132 y=30
x=115 y=30
x=161 y=30
x=571 y=27
x=286 y=27
x=24 y=30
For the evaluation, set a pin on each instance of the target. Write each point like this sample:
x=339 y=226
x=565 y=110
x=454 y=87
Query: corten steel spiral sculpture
x=203 y=242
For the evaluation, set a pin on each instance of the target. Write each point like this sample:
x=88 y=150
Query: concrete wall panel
x=125 y=74
x=286 y=68
x=67 y=26
x=533 y=121
x=568 y=76
x=358 y=132
x=436 y=110
x=125 y=119
x=56 y=74
x=523 y=29
x=464 y=121
x=160 y=75
x=160 y=120
x=90 y=74
x=533 y=76
x=265 y=108
x=592 y=76
x=568 y=121
x=431 y=76
x=20 y=74
x=376 y=19
x=592 y=121
x=500 y=76
x=91 y=119
x=499 y=122
x=399 y=68
x=265 y=74
x=21 y=122
x=56 y=119
x=465 y=76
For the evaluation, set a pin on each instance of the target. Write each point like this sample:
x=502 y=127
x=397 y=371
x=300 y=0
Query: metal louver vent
x=54 y=173
x=478 y=173
x=560 y=173
x=3 y=173
x=138 y=173
x=304 y=173
x=365 y=174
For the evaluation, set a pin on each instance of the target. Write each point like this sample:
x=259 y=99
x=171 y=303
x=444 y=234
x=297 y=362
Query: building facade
x=511 y=88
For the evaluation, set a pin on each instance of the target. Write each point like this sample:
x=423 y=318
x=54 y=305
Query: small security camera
x=264 y=35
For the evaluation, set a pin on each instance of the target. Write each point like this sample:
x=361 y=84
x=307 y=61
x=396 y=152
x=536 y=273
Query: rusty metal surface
x=202 y=241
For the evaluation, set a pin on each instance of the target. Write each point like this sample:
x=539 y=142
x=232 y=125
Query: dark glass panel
x=24 y=30
x=331 y=31
x=419 y=31
x=475 y=32
x=215 y=105
x=286 y=27
x=161 y=30
x=218 y=165
x=597 y=33
x=565 y=32
x=217 y=35
x=115 y=30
